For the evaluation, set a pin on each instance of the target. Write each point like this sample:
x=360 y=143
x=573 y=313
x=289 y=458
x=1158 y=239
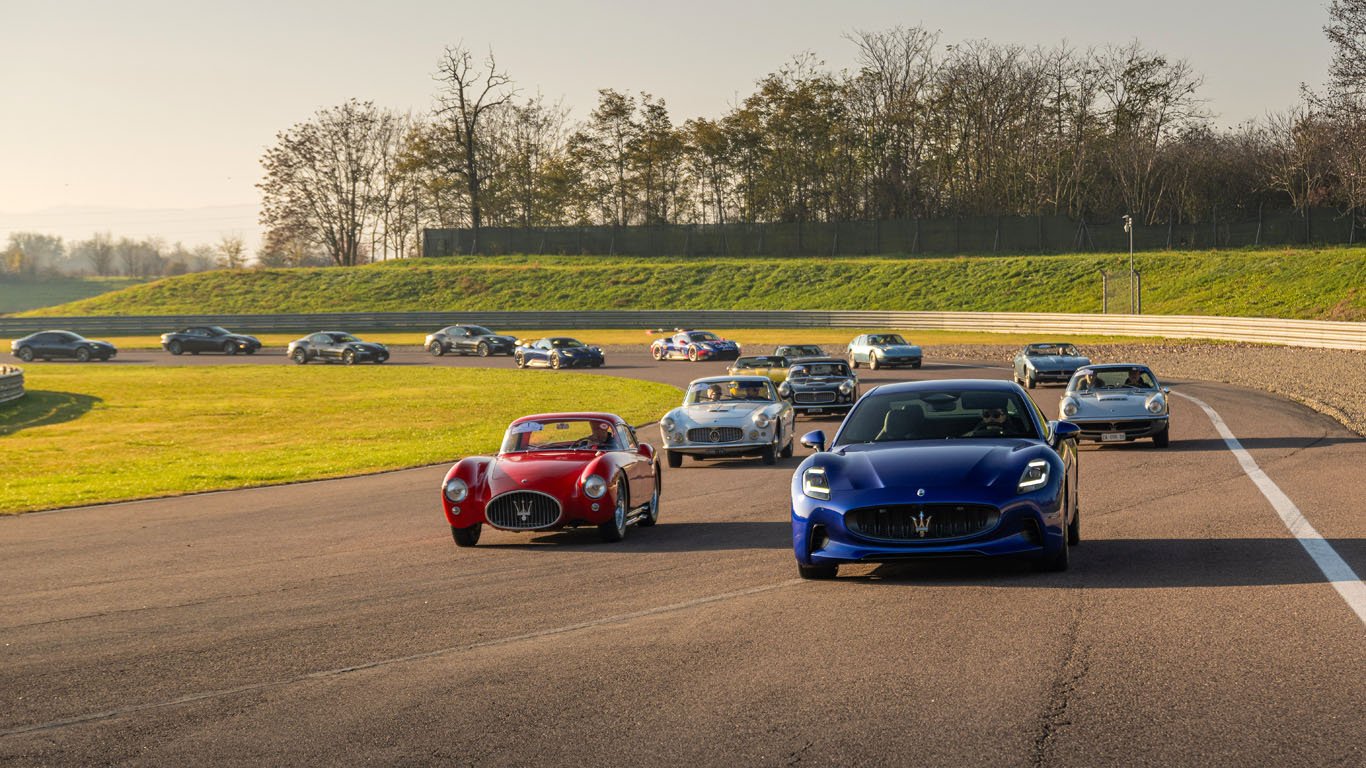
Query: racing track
x=335 y=622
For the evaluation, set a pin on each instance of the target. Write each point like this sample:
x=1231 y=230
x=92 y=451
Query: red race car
x=556 y=470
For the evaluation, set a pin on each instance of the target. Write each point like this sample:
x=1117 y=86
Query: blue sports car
x=558 y=352
x=937 y=469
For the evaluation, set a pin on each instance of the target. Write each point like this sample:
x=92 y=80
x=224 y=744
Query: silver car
x=727 y=416
x=1117 y=403
x=1050 y=362
x=879 y=350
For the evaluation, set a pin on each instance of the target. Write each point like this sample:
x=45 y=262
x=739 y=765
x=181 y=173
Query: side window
x=626 y=436
x=1038 y=414
x=318 y=338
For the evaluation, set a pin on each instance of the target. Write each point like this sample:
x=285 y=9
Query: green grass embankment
x=1312 y=284
x=18 y=295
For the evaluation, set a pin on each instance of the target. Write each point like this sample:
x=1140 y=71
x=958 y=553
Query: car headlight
x=815 y=484
x=1156 y=404
x=785 y=389
x=846 y=386
x=1035 y=476
x=667 y=423
x=456 y=491
x=761 y=420
x=594 y=487
x=1069 y=407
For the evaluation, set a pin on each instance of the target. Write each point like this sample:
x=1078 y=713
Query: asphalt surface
x=336 y=623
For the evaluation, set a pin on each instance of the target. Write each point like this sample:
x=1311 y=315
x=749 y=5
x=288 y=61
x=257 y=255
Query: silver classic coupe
x=1117 y=403
x=1050 y=362
x=729 y=416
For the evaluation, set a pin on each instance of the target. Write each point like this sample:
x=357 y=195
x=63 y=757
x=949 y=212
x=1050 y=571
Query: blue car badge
x=922 y=524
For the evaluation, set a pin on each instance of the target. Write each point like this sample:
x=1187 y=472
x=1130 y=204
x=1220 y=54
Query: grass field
x=753 y=340
x=1303 y=283
x=23 y=295
x=88 y=434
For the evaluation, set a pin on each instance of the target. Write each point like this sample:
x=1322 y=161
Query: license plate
x=815 y=410
x=1112 y=437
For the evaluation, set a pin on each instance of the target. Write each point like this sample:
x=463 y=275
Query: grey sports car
x=1052 y=362
x=882 y=350
x=1118 y=403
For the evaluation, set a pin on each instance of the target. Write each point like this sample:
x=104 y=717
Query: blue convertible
x=937 y=469
x=558 y=352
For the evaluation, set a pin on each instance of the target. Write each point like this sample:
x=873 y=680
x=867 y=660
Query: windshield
x=566 y=343
x=937 y=415
x=819 y=369
x=218 y=330
x=758 y=362
x=730 y=392
x=884 y=339
x=479 y=330
x=1112 y=378
x=1064 y=350
x=342 y=338
x=561 y=435
x=801 y=350
x=703 y=336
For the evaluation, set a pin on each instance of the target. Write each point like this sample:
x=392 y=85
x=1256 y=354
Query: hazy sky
x=165 y=107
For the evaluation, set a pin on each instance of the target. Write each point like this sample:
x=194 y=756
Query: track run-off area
x=1213 y=615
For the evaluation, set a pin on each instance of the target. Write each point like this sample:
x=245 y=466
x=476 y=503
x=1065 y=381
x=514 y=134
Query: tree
x=324 y=177
x=232 y=252
x=468 y=94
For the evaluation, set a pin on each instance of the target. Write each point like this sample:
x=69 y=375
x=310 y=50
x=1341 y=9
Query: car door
x=196 y=340
x=65 y=345
x=319 y=346
x=42 y=344
x=637 y=465
x=854 y=347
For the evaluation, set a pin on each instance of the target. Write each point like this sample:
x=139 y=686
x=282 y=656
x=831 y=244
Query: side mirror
x=814 y=440
x=646 y=450
x=1166 y=390
x=1064 y=430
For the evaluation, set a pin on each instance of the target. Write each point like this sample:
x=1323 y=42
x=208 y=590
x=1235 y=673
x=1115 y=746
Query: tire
x=657 y=352
x=519 y=360
x=349 y=357
x=1074 y=527
x=915 y=366
x=25 y=354
x=555 y=361
x=300 y=356
x=817 y=571
x=872 y=361
x=229 y=348
x=692 y=354
x=175 y=348
x=437 y=349
x=483 y=349
x=853 y=363
x=467 y=537
x=674 y=458
x=786 y=452
x=770 y=455
x=1029 y=380
x=652 y=516
x=615 y=529
x=1162 y=439
x=1056 y=562
x=82 y=355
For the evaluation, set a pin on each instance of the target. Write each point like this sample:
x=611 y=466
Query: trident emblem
x=523 y=509
x=922 y=524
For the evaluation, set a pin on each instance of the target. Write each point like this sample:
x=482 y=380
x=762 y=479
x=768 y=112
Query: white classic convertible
x=724 y=416
x=1117 y=403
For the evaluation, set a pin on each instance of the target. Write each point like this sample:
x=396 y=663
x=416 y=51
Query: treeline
x=39 y=255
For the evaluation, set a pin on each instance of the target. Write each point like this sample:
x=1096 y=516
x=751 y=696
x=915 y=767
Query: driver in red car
x=603 y=436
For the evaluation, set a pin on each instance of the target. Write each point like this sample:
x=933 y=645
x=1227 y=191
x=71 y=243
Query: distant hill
x=23 y=295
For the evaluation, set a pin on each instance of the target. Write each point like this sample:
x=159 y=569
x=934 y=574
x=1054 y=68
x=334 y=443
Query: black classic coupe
x=53 y=345
x=469 y=340
x=208 y=338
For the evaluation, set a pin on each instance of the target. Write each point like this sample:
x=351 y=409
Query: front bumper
x=1053 y=377
x=1133 y=428
x=574 y=511
x=745 y=448
x=717 y=354
x=896 y=361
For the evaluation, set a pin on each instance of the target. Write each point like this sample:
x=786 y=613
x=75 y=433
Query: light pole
x=1133 y=296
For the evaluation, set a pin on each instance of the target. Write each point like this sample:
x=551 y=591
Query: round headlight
x=785 y=389
x=456 y=491
x=1156 y=404
x=1069 y=407
x=846 y=386
x=594 y=487
x=667 y=423
x=761 y=420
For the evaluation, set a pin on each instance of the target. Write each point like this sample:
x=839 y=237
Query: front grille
x=813 y=397
x=916 y=522
x=522 y=510
x=1116 y=426
x=715 y=435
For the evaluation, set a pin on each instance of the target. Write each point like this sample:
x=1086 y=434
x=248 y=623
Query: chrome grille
x=813 y=397
x=1116 y=426
x=715 y=434
x=906 y=522
x=522 y=510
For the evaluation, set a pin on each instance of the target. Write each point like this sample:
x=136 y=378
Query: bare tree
x=232 y=252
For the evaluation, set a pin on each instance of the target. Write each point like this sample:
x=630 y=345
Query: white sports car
x=725 y=416
x=1117 y=403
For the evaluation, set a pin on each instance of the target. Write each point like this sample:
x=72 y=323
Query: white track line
x=326 y=673
x=1334 y=568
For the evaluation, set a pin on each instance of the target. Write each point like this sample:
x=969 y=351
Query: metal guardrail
x=1303 y=333
x=11 y=383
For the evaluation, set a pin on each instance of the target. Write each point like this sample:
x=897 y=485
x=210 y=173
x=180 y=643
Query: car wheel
x=1029 y=380
x=175 y=348
x=786 y=453
x=692 y=354
x=674 y=458
x=1054 y=562
x=25 y=354
x=657 y=352
x=555 y=360
x=483 y=349
x=853 y=363
x=467 y=537
x=229 y=348
x=1074 y=527
x=770 y=455
x=519 y=360
x=83 y=355
x=915 y=365
x=652 y=514
x=872 y=361
x=817 y=571
x=615 y=529
x=437 y=349
x=349 y=357
x=300 y=357
x=1162 y=439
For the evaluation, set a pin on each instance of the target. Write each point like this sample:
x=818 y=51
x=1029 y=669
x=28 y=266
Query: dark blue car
x=558 y=352
x=931 y=469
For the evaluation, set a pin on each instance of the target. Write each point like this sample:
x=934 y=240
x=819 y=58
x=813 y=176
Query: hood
x=553 y=472
x=722 y=413
x=935 y=463
x=370 y=345
x=98 y=343
x=818 y=382
x=500 y=338
x=1057 y=362
x=1112 y=403
x=908 y=349
x=241 y=337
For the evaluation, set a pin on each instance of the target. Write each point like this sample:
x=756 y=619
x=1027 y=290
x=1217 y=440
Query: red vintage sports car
x=556 y=470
